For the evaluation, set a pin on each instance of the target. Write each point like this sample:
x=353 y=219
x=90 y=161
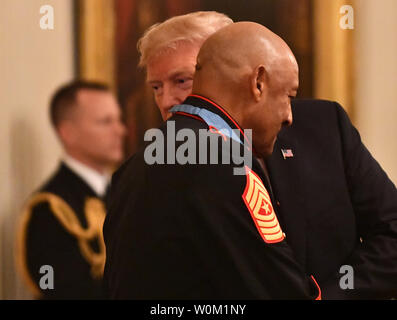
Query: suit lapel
x=287 y=191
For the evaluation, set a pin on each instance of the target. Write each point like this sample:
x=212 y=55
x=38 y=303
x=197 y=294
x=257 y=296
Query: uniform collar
x=97 y=181
x=225 y=120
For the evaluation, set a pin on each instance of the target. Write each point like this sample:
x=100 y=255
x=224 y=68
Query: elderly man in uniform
x=334 y=202
x=200 y=231
x=60 y=249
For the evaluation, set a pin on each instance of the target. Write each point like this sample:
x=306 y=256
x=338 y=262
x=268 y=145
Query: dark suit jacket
x=48 y=243
x=337 y=205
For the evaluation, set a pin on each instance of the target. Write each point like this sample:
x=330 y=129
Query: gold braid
x=94 y=210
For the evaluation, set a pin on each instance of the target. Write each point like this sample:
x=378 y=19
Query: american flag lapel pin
x=287 y=153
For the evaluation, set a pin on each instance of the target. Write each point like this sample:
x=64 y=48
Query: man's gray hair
x=193 y=28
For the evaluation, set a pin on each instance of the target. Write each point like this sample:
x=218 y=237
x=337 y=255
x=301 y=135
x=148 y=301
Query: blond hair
x=193 y=28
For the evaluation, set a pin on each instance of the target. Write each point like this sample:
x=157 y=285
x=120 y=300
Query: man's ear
x=258 y=82
x=66 y=133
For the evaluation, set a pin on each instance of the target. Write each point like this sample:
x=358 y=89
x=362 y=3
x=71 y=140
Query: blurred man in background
x=60 y=247
x=334 y=202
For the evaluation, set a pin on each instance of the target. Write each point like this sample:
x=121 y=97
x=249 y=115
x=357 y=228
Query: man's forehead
x=291 y=82
x=295 y=77
x=89 y=99
x=172 y=62
x=286 y=73
x=88 y=94
x=96 y=101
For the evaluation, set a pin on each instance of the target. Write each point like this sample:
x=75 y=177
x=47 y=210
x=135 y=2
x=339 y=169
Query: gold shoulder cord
x=94 y=210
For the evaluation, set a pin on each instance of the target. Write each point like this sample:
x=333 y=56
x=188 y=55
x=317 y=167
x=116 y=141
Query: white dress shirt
x=97 y=181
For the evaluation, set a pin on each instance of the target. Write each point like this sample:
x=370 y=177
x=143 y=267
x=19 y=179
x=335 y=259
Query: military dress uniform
x=198 y=231
x=61 y=227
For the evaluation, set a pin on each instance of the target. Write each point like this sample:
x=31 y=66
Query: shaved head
x=233 y=52
x=252 y=73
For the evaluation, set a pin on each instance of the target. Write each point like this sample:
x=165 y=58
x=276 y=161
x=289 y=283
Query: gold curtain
x=95 y=40
x=333 y=54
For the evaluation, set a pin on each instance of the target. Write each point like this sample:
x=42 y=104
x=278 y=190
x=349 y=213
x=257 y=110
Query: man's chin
x=263 y=153
x=266 y=150
x=116 y=159
x=271 y=147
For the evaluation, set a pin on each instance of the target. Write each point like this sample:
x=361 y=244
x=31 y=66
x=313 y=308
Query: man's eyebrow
x=295 y=89
x=181 y=73
x=153 y=81
x=173 y=75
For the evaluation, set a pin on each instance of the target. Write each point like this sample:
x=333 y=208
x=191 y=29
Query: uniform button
x=278 y=203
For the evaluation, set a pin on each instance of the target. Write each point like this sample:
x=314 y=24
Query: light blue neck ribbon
x=210 y=118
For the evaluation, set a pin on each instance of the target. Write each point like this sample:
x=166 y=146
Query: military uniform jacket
x=61 y=228
x=195 y=231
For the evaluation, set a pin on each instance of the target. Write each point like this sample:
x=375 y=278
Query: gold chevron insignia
x=258 y=202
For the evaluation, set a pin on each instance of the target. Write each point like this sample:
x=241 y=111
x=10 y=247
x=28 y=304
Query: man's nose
x=289 y=118
x=168 y=99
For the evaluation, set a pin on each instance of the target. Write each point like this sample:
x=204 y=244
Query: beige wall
x=33 y=62
x=376 y=79
x=358 y=68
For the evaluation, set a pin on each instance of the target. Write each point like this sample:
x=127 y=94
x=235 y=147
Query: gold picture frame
x=95 y=40
x=333 y=55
